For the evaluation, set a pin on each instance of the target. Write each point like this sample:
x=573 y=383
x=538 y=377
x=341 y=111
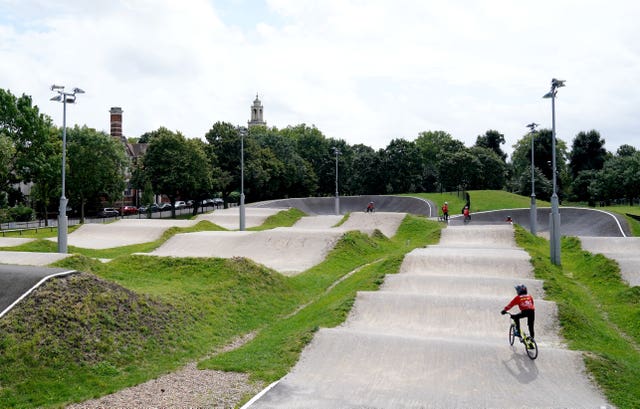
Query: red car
x=126 y=210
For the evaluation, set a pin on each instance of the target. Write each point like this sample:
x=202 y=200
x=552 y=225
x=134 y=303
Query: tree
x=619 y=178
x=587 y=156
x=223 y=152
x=96 y=164
x=458 y=170
x=492 y=172
x=521 y=157
x=432 y=145
x=176 y=167
x=626 y=150
x=492 y=140
x=402 y=167
x=587 y=152
x=317 y=150
x=292 y=175
x=366 y=169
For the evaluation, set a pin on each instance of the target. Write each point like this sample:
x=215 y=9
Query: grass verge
x=284 y=218
x=599 y=314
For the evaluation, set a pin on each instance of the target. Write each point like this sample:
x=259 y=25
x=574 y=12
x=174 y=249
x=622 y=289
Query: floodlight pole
x=242 y=132
x=64 y=97
x=337 y=200
x=554 y=217
x=533 y=212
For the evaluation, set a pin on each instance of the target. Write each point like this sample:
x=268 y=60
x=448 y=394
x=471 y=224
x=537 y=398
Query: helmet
x=446 y=202
x=521 y=289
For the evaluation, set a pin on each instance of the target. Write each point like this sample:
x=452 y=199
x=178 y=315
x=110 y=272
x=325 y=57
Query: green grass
x=481 y=200
x=599 y=314
x=137 y=317
x=39 y=233
x=284 y=218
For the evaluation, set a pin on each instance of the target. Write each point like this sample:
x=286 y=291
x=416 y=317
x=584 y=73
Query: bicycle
x=530 y=344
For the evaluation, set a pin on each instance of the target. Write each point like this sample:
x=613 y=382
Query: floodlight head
x=78 y=91
x=56 y=98
x=55 y=87
x=549 y=94
x=532 y=126
x=557 y=83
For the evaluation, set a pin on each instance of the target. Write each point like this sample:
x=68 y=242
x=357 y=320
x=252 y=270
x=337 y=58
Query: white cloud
x=365 y=71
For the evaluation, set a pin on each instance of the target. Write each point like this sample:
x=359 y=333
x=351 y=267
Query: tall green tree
x=96 y=165
x=295 y=178
x=367 y=171
x=521 y=158
x=34 y=154
x=176 y=167
x=492 y=140
x=492 y=172
x=458 y=170
x=587 y=155
x=618 y=179
x=587 y=152
x=402 y=167
x=432 y=146
x=223 y=152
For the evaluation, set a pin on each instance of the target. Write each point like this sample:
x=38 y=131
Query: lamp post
x=554 y=217
x=242 y=131
x=64 y=97
x=533 y=212
x=337 y=201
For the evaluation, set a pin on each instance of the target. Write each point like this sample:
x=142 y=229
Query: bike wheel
x=532 y=348
x=512 y=334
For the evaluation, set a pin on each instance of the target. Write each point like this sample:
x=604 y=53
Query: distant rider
x=466 y=213
x=370 y=207
x=445 y=211
x=527 y=309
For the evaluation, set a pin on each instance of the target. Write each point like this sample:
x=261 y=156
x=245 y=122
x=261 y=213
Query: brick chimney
x=116 y=122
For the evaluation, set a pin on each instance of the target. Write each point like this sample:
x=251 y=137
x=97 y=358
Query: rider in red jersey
x=527 y=309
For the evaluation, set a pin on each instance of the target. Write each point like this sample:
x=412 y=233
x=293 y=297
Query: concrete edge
x=259 y=395
x=38 y=284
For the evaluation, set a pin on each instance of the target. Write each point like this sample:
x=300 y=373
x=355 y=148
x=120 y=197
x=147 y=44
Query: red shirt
x=525 y=302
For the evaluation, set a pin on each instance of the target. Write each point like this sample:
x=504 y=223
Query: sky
x=365 y=71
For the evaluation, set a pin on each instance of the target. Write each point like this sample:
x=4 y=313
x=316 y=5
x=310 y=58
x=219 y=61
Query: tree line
x=295 y=161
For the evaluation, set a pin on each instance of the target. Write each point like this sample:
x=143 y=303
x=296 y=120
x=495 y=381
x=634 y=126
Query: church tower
x=256 y=114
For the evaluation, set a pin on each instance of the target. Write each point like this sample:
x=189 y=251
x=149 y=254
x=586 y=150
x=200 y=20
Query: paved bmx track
x=432 y=337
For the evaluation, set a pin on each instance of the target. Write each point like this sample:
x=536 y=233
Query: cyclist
x=445 y=211
x=466 y=213
x=527 y=309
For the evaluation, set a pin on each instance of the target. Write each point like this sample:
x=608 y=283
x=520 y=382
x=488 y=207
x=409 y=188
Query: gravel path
x=188 y=387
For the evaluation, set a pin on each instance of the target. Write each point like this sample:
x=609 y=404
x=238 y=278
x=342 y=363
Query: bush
x=21 y=213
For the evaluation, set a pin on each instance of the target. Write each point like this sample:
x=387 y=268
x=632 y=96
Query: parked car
x=108 y=212
x=126 y=210
x=180 y=204
x=164 y=206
